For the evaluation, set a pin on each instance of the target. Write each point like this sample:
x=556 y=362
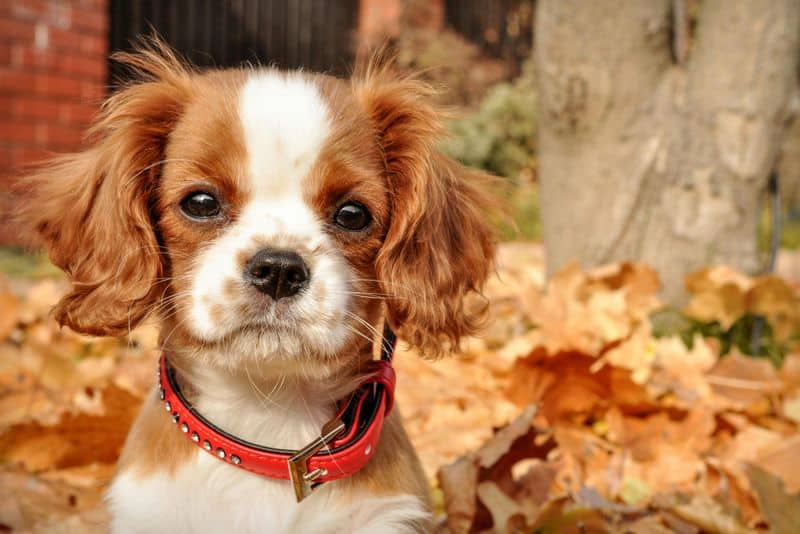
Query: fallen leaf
x=565 y=386
x=651 y=524
x=791 y=407
x=39 y=301
x=781 y=509
x=459 y=483
x=780 y=458
x=775 y=299
x=743 y=382
x=492 y=462
x=9 y=308
x=76 y=440
x=682 y=371
x=706 y=513
x=724 y=304
x=502 y=507
x=634 y=491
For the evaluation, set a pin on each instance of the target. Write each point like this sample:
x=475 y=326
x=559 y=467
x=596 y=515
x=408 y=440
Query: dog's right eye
x=201 y=205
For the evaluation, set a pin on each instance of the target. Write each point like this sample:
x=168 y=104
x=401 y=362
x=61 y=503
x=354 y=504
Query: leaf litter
x=583 y=407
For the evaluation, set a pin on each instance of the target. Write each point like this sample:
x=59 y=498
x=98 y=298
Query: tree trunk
x=789 y=165
x=647 y=156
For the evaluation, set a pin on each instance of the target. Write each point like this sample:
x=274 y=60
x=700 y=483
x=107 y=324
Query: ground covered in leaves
x=585 y=407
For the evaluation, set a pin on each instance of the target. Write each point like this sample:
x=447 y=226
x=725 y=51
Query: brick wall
x=52 y=81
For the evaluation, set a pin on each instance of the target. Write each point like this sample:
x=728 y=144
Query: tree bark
x=649 y=157
x=789 y=165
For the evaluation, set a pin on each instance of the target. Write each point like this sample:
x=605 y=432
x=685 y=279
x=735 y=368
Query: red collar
x=345 y=445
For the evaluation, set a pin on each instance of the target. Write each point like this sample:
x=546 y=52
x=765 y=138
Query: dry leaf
x=76 y=440
x=459 y=483
x=743 y=382
x=724 y=304
x=9 y=307
x=781 y=509
x=781 y=459
x=706 y=513
x=502 y=507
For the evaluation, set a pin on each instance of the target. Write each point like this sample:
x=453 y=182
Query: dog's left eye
x=352 y=216
x=200 y=205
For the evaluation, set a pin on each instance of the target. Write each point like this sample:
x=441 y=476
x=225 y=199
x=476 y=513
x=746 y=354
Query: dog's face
x=266 y=216
x=272 y=212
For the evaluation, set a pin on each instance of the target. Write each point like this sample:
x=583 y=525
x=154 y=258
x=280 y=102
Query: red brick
x=23 y=156
x=52 y=13
x=93 y=4
x=90 y=20
x=16 y=81
x=17 y=131
x=35 y=108
x=64 y=39
x=31 y=10
x=61 y=137
x=5 y=54
x=78 y=114
x=15 y=30
x=92 y=93
x=94 y=45
x=5 y=159
x=72 y=64
x=90 y=45
x=32 y=58
x=56 y=85
x=6 y=102
x=60 y=14
x=89 y=68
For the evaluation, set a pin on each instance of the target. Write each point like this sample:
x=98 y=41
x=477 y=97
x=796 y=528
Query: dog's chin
x=304 y=351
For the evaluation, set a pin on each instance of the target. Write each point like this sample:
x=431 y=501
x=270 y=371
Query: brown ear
x=439 y=246
x=93 y=209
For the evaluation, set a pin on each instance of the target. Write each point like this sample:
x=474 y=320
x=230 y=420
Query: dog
x=281 y=227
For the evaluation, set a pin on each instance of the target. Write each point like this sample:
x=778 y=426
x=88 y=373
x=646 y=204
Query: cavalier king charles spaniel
x=281 y=227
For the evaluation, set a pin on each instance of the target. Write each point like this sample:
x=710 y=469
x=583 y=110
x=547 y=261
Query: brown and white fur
x=280 y=151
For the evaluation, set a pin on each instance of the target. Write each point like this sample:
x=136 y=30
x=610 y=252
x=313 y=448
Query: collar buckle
x=303 y=481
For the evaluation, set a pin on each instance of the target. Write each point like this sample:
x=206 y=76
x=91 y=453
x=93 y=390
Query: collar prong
x=303 y=479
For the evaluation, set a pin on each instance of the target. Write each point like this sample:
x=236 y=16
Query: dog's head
x=265 y=214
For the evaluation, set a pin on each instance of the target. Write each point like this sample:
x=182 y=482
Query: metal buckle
x=302 y=480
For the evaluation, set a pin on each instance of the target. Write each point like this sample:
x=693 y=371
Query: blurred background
x=660 y=132
x=55 y=72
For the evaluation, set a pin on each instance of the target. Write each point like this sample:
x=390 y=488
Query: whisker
x=260 y=394
x=360 y=320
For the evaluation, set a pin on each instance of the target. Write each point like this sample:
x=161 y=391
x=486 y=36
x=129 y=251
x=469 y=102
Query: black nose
x=277 y=273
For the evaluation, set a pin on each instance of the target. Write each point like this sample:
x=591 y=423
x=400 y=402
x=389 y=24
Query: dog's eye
x=200 y=205
x=352 y=216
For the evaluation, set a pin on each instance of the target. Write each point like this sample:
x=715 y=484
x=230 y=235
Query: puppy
x=281 y=226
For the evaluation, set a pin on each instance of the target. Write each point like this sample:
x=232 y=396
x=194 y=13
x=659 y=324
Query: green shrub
x=499 y=136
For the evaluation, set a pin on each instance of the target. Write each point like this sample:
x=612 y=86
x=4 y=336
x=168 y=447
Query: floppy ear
x=439 y=246
x=92 y=209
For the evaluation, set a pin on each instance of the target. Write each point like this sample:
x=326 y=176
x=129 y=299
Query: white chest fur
x=206 y=495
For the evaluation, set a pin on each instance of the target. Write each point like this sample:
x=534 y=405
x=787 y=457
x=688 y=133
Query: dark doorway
x=313 y=34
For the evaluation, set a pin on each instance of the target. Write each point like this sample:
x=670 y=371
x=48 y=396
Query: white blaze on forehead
x=285 y=124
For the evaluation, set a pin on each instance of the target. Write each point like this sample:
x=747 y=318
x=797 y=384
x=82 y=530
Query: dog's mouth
x=272 y=316
x=283 y=330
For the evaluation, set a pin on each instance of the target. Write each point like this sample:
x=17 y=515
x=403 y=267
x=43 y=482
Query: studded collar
x=345 y=445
